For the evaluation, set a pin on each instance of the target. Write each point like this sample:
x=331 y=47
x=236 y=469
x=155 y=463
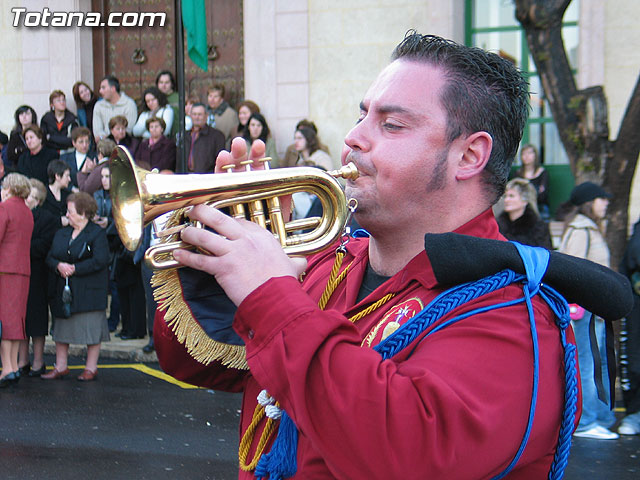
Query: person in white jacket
x=155 y=105
x=113 y=102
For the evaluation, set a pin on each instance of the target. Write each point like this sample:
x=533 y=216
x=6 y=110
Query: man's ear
x=476 y=150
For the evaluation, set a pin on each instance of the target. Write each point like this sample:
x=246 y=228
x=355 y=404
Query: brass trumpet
x=139 y=196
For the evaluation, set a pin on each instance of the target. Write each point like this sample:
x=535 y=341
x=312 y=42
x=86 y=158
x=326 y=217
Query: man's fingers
x=194 y=260
x=224 y=158
x=239 y=149
x=258 y=149
x=239 y=154
x=222 y=224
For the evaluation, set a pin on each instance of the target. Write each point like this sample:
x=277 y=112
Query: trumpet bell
x=128 y=210
x=139 y=196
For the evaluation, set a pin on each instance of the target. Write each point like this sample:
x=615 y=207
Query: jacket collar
x=419 y=268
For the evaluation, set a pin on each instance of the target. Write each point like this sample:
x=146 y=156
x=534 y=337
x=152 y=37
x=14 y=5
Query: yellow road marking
x=149 y=371
x=141 y=368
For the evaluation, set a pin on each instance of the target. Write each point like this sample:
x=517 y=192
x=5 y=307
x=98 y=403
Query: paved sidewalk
x=126 y=350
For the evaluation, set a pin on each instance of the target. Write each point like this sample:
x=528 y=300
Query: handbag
x=67 y=297
x=576 y=312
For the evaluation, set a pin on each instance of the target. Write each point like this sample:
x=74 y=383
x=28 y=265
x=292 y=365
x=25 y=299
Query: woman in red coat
x=16 y=225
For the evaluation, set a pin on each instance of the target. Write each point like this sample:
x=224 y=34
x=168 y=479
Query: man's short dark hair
x=56 y=167
x=199 y=104
x=113 y=82
x=78 y=132
x=218 y=87
x=166 y=72
x=485 y=92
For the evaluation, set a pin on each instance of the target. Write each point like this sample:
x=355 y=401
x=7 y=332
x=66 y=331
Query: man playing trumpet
x=433 y=144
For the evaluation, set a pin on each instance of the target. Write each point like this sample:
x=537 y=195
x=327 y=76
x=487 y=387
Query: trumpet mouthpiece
x=348 y=172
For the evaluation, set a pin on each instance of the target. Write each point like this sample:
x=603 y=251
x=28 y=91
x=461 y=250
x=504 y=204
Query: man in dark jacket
x=81 y=159
x=58 y=123
x=204 y=142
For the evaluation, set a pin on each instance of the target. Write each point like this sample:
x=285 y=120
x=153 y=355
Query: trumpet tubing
x=140 y=196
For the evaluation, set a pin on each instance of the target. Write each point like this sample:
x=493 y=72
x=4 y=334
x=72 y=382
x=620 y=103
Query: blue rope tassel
x=280 y=462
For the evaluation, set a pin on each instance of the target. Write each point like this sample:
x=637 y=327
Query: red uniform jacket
x=16 y=225
x=453 y=406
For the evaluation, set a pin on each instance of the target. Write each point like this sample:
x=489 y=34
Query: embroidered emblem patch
x=394 y=318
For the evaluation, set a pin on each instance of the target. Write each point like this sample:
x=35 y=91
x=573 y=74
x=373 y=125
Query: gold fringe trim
x=167 y=292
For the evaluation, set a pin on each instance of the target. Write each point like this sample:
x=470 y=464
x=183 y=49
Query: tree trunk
x=581 y=117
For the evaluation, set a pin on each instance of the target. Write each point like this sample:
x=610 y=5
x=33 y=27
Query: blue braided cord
x=441 y=306
x=561 y=457
x=534 y=392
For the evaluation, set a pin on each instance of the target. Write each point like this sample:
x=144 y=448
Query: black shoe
x=130 y=337
x=9 y=379
x=24 y=371
x=148 y=348
x=37 y=373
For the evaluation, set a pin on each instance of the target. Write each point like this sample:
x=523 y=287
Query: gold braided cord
x=372 y=307
x=334 y=272
x=247 y=439
x=334 y=279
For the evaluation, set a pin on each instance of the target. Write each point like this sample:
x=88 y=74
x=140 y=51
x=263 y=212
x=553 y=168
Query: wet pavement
x=134 y=422
x=129 y=424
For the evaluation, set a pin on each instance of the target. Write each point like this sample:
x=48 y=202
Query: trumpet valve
x=266 y=162
x=237 y=211
x=256 y=210
x=247 y=164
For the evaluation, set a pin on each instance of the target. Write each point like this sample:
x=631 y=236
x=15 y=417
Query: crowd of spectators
x=61 y=166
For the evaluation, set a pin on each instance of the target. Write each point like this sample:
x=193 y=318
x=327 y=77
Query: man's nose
x=357 y=138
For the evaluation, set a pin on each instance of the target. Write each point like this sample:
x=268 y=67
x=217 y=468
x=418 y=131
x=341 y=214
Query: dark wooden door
x=136 y=54
x=226 y=53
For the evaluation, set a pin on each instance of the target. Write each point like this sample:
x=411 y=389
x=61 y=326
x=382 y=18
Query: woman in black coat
x=79 y=257
x=45 y=225
x=34 y=162
x=520 y=220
